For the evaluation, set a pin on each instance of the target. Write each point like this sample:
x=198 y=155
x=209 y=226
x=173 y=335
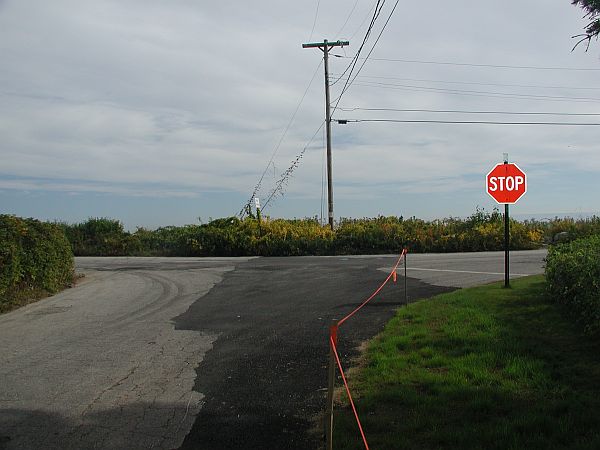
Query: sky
x=169 y=112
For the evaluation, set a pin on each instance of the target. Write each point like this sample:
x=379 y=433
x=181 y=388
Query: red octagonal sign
x=506 y=183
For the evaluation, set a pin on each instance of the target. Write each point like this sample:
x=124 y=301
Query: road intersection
x=201 y=352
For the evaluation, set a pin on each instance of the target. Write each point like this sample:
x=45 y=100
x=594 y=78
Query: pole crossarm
x=325 y=44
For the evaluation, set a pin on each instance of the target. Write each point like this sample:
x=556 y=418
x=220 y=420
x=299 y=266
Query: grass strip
x=479 y=368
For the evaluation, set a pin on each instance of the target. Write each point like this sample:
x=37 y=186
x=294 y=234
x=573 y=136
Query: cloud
x=76 y=188
x=120 y=98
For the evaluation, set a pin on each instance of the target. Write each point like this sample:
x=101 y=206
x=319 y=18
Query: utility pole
x=325 y=47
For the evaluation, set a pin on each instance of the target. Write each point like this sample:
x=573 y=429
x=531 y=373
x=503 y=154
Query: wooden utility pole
x=325 y=47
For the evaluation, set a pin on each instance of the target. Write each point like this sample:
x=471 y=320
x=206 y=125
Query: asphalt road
x=211 y=353
x=472 y=269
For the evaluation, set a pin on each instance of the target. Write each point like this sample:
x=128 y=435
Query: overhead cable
x=415 y=88
x=460 y=111
x=285 y=176
x=478 y=83
x=495 y=66
x=315 y=20
x=355 y=58
x=349 y=83
x=248 y=204
x=463 y=122
x=346 y=21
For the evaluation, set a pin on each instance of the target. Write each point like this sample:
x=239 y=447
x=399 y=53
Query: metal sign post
x=506 y=183
x=506 y=247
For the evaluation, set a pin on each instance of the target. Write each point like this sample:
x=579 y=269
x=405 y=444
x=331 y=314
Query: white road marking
x=466 y=271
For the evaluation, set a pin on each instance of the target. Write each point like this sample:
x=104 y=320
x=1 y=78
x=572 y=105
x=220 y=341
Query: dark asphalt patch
x=264 y=380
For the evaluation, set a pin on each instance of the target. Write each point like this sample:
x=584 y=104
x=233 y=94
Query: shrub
x=33 y=255
x=573 y=276
x=100 y=237
x=573 y=228
x=231 y=236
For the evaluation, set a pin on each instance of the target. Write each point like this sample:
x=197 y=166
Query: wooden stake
x=330 y=386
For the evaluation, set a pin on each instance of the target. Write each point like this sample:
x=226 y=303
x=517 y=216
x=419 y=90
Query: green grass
x=480 y=368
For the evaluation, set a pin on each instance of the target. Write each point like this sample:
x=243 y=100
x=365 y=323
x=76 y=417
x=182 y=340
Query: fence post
x=405 y=290
x=330 y=386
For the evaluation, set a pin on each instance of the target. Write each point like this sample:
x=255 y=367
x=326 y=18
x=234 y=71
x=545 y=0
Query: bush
x=33 y=255
x=575 y=229
x=564 y=228
x=573 y=276
x=101 y=237
x=231 y=236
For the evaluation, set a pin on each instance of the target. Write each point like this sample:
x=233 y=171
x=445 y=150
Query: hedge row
x=34 y=255
x=573 y=228
x=573 y=276
x=234 y=237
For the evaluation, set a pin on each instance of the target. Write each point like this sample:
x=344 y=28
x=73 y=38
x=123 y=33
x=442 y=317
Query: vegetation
x=481 y=368
x=35 y=260
x=592 y=9
x=100 y=237
x=573 y=274
x=574 y=229
x=280 y=237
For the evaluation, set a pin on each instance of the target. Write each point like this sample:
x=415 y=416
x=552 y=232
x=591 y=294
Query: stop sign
x=506 y=183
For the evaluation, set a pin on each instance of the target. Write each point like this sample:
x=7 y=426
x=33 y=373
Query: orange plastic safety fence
x=339 y=364
x=333 y=340
x=376 y=291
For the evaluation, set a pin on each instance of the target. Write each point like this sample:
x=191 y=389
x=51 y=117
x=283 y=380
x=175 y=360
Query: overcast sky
x=161 y=112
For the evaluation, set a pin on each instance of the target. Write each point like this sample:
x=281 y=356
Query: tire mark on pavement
x=109 y=371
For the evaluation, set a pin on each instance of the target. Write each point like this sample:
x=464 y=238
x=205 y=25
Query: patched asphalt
x=264 y=379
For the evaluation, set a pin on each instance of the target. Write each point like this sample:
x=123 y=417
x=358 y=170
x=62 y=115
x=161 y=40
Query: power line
x=356 y=56
x=315 y=20
x=458 y=111
x=478 y=83
x=410 y=87
x=347 y=85
x=467 y=122
x=362 y=23
x=248 y=204
x=285 y=176
x=347 y=19
x=495 y=66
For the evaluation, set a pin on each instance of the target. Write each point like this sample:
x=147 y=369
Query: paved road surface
x=471 y=269
x=218 y=353
x=100 y=365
